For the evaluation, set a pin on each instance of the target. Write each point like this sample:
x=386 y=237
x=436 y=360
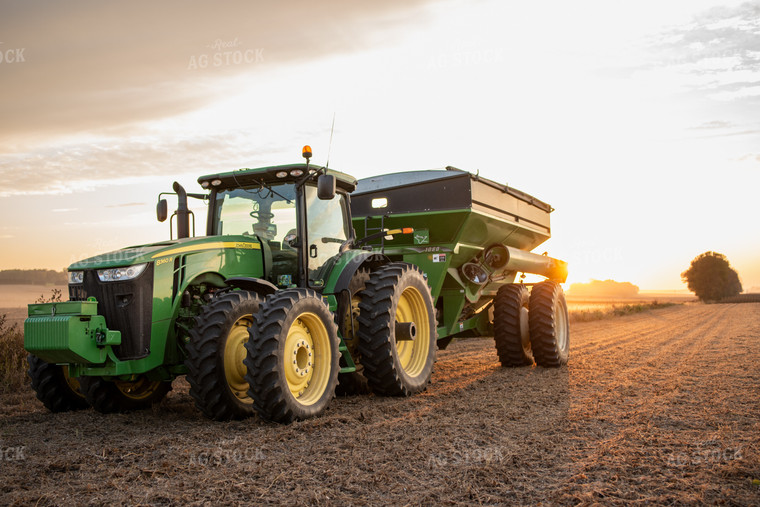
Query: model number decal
x=164 y=260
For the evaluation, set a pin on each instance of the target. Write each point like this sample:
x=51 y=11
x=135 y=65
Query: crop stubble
x=656 y=407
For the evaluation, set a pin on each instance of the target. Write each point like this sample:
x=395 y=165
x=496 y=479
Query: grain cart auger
x=258 y=313
x=472 y=236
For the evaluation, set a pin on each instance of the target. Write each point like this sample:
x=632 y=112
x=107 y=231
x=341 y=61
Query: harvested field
x=658 y=407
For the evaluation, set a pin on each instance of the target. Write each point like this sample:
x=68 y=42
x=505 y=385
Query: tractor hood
x=148 y=253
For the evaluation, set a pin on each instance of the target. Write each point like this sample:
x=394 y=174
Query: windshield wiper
x=262 y=184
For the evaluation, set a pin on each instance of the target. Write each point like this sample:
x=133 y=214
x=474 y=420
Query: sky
x=639 y=122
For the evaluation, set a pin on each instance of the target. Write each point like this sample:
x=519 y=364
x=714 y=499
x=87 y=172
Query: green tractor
x=280 y=300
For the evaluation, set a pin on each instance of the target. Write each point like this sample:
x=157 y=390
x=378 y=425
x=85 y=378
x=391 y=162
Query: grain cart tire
x=355 y=382
x=549 y=330
x=109 y=396
x=54 y=387
x=215 y=355
x=396 y=299
x=293 y=356
x=511 y=327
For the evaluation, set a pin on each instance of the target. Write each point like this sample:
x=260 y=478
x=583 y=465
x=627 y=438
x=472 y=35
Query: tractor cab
x=298 y=213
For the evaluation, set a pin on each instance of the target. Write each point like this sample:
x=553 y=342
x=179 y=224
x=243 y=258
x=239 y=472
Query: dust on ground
x=658 y=407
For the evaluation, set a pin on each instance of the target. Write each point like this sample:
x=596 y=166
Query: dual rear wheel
x=531 y=325
x=397 y=330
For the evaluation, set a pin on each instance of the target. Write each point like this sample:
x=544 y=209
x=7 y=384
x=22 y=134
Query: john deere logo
x=421 y=237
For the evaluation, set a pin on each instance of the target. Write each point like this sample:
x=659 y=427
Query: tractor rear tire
x=109 y=396
x=53 y=386
x=511 y=327
x=293 y=356
x=549 y=329
x=348 y=322
x=215 y=355
x=397 y=293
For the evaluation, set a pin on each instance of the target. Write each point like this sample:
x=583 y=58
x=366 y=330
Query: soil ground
x=660 y=407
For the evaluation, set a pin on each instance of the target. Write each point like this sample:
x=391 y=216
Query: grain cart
x=250 y=313
x=471 y=238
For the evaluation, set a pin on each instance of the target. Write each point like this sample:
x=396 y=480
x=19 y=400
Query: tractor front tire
x=511 y=327
x=215 y=355
x=109 y=396
x=397 y=363
x=53 y=386
x=549 y=329
x=293 y=356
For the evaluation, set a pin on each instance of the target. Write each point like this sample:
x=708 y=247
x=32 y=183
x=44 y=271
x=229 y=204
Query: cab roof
x=247 y=177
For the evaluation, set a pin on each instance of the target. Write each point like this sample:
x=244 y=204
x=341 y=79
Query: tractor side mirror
x=162 y=210
x=326 y=187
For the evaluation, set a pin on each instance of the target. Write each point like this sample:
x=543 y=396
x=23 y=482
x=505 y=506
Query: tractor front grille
x=127 y=307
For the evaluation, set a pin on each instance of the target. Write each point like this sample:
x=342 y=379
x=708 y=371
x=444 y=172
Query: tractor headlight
x=76 y=277
x=120 y=274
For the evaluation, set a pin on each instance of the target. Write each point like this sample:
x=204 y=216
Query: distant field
x=603 y=303
x=18 y=296
x=14 y=298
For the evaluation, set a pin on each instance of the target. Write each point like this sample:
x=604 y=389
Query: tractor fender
x=364 y=260
x=261 y=287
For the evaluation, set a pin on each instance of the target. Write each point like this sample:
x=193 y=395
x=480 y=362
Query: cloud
x=91 y=65
x=85 y=166
x=719 y=52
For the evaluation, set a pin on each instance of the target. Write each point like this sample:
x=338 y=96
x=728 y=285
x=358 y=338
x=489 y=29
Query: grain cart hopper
x=471 y=238
x=253 y=313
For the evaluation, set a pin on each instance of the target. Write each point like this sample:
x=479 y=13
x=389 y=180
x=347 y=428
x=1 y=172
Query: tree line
x=33 y=277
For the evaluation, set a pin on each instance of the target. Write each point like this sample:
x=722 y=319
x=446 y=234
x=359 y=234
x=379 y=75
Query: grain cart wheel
x=397 y=330
x=215 y=355
x=348 y=323
x=108 y=396
x=510 y=325
x=549 y=330
x=293 y=357
x=54 y=387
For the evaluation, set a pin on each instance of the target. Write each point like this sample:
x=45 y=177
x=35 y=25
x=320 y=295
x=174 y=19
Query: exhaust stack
x=183 y=212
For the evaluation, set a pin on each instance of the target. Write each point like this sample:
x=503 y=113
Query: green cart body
x=471 y=236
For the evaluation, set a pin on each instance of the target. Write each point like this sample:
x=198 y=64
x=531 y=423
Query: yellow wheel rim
x=73 y=382
x=234 y=354
x=307 y=358
x=413 y=354
x=139 y=389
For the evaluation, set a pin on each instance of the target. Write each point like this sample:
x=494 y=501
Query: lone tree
x=711 y=277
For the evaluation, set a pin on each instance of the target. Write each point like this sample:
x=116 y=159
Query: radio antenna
x=329 y=146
